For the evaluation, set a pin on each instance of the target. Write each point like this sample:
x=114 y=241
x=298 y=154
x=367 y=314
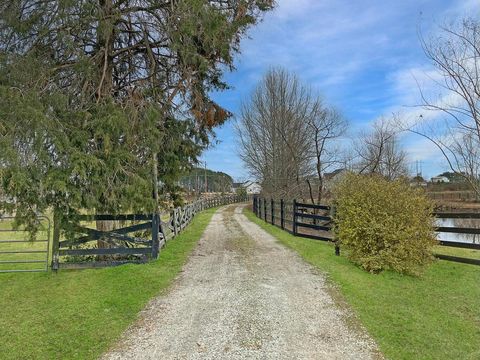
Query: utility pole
x=419 y=168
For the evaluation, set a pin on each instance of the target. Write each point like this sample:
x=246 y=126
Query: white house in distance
x=439 y=179
x=252 y=187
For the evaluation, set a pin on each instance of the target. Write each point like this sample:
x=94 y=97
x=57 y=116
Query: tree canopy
x=91 y=91
x=287 y=135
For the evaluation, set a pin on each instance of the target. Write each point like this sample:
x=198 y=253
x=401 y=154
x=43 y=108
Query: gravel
x=242 y=295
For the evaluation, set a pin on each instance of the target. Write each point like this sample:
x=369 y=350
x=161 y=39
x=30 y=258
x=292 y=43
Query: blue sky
x=363 y=56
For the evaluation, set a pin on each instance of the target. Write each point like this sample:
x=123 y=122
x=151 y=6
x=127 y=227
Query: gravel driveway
x=244 y=296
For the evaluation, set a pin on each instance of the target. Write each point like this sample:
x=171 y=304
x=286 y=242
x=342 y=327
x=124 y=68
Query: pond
x=463 y=223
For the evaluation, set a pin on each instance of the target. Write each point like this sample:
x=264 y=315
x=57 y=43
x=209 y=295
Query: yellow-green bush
x=384 y=224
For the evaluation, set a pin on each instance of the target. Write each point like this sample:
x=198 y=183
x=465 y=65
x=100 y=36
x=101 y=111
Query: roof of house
x=331 y=175
x=244 y=184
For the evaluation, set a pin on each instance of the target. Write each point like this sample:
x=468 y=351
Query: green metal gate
x=18 y=253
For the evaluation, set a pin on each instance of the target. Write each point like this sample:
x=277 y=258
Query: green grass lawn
x=79 y=314
x=435 y=316
x=465 y=253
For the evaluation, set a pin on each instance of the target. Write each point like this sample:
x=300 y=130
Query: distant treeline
x=206 y=180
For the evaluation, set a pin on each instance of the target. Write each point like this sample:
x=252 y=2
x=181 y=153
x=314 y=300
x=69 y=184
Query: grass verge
x=79 y=314
x=435 y=316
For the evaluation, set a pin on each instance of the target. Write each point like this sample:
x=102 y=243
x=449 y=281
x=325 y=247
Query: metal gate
x=18 y=253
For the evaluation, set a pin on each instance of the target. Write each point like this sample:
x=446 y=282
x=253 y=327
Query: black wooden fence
x=316 y=222
x=300 y=219
x=458 y=230
x=136 y=238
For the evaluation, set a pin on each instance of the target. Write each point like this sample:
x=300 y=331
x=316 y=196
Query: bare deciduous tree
x=274 y=141
x=326 y=126
x=286 y=135
x=379 y=152
x=467 y=148
x=455 y=53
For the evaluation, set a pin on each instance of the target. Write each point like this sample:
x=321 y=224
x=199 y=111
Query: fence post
x=272 y=208
x=282 y=214
x=333 y=211
x=155 y=237
x=175 y=229
x=56 y=239
x=265 y=209
x=255 y=206
x=262 y=207
x=294 y=217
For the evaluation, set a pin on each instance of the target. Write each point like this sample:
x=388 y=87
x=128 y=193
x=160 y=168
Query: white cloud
x=421 y=149
x=363 y=55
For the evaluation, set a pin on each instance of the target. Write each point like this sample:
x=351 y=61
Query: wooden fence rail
x=136 y=238
x=316 y=222
x=301 y=219
x=458 y=230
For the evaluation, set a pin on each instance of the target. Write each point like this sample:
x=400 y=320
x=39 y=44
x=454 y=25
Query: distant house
x=454 y=177
x=418 y=181
x=439 y=179
x=251 y=187
x=331 y=178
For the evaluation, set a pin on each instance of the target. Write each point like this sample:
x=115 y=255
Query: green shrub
x=384 y=224
x=241 y=191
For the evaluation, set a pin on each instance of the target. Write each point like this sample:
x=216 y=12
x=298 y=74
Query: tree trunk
x=105 y=33
x=320 y=189
x=310 y=190
x=155 y=182
x=104 y=225
x=105 y=39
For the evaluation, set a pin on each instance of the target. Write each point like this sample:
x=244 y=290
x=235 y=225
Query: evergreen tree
x=93 y=93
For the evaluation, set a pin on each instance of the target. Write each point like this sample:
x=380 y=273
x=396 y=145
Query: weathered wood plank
x=125 y=230
x=460 y=244
x=121 y=217
x=312 y=206
x=457 y=230
x=313 y=216
x=97 y=234
x=458 y=259
x=156 y=228
x=313 y=226
x=98 y=264
x=107 y=251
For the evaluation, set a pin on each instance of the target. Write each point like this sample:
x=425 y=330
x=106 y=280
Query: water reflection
x=464 y=223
